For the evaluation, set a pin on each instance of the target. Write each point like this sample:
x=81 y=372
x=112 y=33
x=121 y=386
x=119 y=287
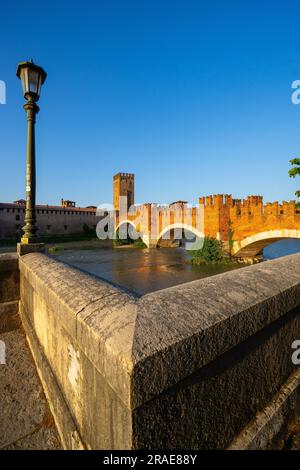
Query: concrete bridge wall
x=206 y=364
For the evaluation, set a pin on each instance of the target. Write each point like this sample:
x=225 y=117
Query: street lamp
x=32 y=77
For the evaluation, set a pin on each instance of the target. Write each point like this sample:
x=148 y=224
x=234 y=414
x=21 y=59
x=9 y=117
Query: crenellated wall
x=247 y=216
x=250 y=224
x=234 y=221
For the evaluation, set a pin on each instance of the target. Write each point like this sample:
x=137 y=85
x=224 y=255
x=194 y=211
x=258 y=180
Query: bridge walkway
x=25 y=418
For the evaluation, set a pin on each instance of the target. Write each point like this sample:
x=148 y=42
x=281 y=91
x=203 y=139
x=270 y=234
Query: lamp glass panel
x=34 y=81
x=39 y=85
x=24 y=80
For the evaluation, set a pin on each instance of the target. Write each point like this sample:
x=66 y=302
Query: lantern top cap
x=30 y=64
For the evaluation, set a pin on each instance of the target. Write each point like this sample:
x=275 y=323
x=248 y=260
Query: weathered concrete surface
x=196 y=322
x=186 y=367
x=25 y=418
x=273 y=420
x=9 y=278
x=9 y=291
x=291 y=439
x=86 y=328
x=211 y=406
x=66 y=426
x=9 y=316
x=26 y=421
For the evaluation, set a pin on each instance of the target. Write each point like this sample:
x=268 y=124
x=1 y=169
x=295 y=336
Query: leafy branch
x=293 y=172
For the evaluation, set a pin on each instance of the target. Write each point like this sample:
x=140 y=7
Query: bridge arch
x=251 y=246
x=186 y=227
x=125 y=221
x=130 y=222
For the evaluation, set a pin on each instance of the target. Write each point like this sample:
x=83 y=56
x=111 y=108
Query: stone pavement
x=25 y=418
x=291 y=440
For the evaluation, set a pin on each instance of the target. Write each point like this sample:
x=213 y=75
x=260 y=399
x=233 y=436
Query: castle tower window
x=48 y=227
x=17 y=217
x=65 y=227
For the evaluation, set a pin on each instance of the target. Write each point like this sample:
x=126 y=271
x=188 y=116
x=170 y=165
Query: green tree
x=294 y=171
x=121 y=241
x=88 y=232
x=212 y=252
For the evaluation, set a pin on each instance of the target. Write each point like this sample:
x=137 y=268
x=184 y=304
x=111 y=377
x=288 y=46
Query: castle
x=66 y=219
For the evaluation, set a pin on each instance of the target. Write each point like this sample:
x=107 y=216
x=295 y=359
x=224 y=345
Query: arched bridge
x=164 y=225
x=246 y=226
x=253 y=245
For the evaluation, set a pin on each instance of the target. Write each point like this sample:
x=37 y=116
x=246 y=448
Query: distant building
x=66 y=219
x=67 y=203
x=20 y=202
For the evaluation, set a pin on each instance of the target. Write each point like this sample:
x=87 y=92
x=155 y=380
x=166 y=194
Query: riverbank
x=86 y=244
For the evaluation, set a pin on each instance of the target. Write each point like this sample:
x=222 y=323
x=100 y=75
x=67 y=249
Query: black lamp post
x=32 y=77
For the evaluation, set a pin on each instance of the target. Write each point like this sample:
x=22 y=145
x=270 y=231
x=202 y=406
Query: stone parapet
x=185 y=367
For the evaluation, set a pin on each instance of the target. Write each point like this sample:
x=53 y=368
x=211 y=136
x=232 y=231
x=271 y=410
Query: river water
x=143 y=271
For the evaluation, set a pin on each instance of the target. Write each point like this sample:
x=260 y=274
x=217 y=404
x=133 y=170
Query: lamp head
x=32 y=77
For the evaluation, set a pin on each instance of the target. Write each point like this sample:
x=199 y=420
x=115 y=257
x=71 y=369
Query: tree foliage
x=88 y=232
x=212 y=252
x=128 y=241
x=295 y=170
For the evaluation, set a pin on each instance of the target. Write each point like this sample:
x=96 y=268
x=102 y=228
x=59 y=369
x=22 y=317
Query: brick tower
x=123 y=186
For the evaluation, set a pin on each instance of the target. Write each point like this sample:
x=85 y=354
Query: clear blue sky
x=191 y=96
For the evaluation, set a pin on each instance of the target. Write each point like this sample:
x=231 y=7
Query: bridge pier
x=150 y=242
